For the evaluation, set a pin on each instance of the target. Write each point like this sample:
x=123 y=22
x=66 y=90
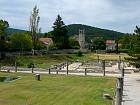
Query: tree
x=73 y=43
x=48 y=35
x=34 y=22
x=59 y=36
x=127 y=41
x=98 y=43
x=21 y=42
x=3 y=26
x=134 y=53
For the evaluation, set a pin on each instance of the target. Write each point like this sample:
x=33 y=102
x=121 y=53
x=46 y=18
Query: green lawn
x=56 y=90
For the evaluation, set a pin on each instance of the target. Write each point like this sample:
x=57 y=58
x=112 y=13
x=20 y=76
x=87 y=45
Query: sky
x=118 y=15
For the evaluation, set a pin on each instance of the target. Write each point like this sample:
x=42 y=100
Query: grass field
x=56 y=90
x=109 y=56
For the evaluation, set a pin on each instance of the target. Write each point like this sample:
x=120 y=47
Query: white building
x=110 y=45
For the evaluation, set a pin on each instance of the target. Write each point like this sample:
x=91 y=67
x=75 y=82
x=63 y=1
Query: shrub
x=30 y=65
x=80 y=53
x=19 y=62
x=111 y=51
x=124 y=50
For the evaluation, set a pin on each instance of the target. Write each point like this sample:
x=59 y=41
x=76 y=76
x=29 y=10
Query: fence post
x=67 y=69
x=120 y=84
x=122 y=72
x=119 y=63
x=103 y=67
x=118 y=96
x=85 y=71
x=57 y=71
x=15 y=66
x=63 y=65
x=119 y=58
x=98 y=58
x=32 y=68
x=49 y=71
x=0 y=66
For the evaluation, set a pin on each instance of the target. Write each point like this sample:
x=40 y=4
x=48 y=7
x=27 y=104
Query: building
x=82 y=39
x=46 y=41
x=110 y=45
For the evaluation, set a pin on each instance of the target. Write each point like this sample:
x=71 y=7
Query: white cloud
x=113 y=14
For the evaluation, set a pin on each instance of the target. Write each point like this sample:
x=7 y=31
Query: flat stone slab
x=131 y=89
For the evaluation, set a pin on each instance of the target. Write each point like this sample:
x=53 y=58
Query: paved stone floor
x=131 y=89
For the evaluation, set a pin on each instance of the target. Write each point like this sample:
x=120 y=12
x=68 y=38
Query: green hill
x=92 y=32
x=10 y=31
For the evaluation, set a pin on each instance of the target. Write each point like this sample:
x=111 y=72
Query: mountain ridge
x=91 y=32
x=10 y=31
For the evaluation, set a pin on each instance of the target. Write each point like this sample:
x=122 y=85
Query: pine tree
x=134 y=53
x=59 y=36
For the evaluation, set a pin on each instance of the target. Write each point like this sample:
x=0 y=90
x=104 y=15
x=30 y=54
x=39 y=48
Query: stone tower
x=82 y=39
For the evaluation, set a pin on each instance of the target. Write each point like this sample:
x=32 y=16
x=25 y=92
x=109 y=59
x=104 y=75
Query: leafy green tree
x=49 y=34
x=3 y=26
x=98 y=43
x=21 y=42
x=59 y=34
x=40 y=46
x=134 y=53
x=73 y=43
x=127 y=41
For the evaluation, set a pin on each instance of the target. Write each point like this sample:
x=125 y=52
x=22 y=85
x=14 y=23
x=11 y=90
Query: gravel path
x=131 y=89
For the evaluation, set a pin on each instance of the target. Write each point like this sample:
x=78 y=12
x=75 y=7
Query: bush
x=75 y=47
x=19 y=62
x=53 y=47
x=80 y=53
x=40 y=46
x=30 y=65
x=73 y=43
x=111 y=51
x=124 y=50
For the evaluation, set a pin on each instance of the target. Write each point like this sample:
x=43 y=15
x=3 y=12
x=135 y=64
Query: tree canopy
x=3 y=26
x=73 y=43
x=98 y=43
x=134 y=53
x=21 y=42
x=127 y=41
x=59 y=34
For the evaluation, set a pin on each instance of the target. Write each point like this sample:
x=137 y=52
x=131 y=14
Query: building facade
x=110 y=45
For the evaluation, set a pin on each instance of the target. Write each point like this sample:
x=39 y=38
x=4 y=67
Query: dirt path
x=131 y=89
